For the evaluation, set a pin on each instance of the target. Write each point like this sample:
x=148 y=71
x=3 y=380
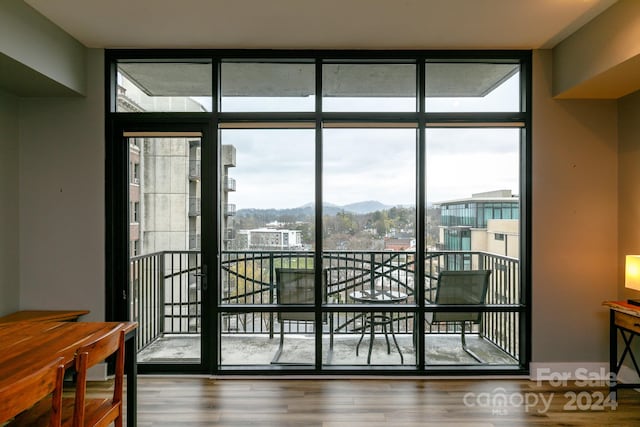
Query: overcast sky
x=275 y=167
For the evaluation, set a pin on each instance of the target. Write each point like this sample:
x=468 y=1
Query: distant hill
x=308 y=210
x=365 y=207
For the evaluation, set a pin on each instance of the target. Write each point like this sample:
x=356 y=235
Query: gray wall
x=9 y=220
x=629 y=184
x=32 y=40
x=574 y=230
x=62 y=211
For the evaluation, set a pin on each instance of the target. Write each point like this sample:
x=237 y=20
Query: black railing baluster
x=271 y=295
x=161 y=290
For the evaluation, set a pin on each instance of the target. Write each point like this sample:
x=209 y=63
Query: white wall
x=62 y=211
x=9 y=274
x=574 y=228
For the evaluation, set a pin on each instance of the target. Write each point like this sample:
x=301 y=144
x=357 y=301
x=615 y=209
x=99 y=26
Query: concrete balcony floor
x=246 y=350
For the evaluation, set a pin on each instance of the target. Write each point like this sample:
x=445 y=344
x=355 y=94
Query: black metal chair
x=460 y=288
x=297 y=286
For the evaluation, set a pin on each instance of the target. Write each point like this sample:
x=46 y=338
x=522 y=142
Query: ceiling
x=321 y=24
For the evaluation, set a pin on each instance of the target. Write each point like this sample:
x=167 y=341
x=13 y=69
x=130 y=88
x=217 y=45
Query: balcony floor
x=441 y=349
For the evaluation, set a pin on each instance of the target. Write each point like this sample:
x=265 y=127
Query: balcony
x=229 y=183
x=229 y=209
x=166 y=290
x=194 y=241
x=194 y=206
x=229 y=234
x=194 y=170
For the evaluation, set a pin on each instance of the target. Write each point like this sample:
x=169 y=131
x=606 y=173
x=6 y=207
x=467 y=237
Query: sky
x=275 y=167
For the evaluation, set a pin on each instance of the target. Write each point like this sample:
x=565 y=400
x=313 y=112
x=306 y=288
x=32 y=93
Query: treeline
x=343 y=230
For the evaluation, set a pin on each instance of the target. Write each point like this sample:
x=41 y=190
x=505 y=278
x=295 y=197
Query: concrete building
x=164 y=188
x=165 y=180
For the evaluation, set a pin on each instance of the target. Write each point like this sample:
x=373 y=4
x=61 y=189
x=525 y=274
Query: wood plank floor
x=394 y=402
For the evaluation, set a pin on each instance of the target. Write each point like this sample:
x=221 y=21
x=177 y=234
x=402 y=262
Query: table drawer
x=628 y=322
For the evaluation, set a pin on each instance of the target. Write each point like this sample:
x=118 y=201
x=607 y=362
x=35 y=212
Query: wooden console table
x=623 y=318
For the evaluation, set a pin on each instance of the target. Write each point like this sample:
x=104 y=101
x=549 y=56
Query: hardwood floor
x=274 y=402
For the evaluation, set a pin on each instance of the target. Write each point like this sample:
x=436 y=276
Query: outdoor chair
x=297 y=286
x=460 y=288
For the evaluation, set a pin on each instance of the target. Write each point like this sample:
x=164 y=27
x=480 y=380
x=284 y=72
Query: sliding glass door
x=166 y=224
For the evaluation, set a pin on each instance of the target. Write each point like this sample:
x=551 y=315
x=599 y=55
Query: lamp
x=632 y=275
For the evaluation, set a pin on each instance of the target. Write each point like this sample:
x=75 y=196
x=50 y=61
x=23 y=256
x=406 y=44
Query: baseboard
x=628 y=375
x=560 y=372
x=97 y=372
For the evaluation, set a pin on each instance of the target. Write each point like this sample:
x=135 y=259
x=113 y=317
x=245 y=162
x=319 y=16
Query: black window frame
x=117 y=218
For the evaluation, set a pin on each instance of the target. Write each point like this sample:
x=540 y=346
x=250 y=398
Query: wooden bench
x=44 y=315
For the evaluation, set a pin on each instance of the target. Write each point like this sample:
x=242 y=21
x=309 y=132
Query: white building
x=269 y=239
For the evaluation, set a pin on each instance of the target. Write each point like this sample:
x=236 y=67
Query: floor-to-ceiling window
x=320 y=211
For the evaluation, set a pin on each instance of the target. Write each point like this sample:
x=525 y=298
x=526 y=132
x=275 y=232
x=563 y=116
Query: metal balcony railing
x=166 y=291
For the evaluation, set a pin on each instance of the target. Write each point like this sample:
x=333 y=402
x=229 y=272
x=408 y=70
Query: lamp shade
x=632 y=272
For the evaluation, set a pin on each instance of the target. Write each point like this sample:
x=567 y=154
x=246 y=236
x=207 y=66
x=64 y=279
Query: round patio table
x=382 y=319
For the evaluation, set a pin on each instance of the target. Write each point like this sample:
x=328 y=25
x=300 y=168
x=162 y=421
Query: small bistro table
x=382 y=319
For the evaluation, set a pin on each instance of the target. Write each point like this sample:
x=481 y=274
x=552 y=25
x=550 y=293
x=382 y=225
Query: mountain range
x=363 y=207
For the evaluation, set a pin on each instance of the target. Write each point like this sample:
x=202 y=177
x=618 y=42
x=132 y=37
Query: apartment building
x=165 y=180
x=485 y=222
x=269 y=239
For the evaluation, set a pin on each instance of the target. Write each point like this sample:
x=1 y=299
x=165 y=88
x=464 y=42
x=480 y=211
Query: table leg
x=372 y=334
x=364 y=329
x=383 y=323
x=393 y=335
x=131 y=370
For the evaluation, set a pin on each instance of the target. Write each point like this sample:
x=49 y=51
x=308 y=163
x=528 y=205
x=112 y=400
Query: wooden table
x=624 y=320
x=27 y=345
x=44 y=315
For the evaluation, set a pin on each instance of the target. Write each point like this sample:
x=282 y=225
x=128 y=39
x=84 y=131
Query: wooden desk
x=623 y=318
x=27 y=345
x=44 y=316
